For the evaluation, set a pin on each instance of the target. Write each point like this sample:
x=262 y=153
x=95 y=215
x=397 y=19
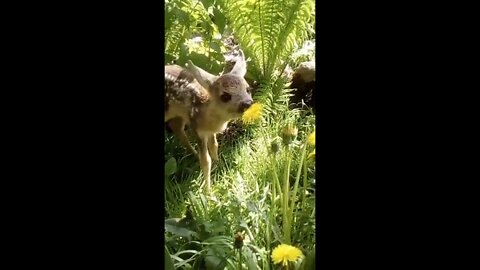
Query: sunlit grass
x=243 y=193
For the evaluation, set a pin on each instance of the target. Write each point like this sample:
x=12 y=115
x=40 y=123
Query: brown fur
x=196 y=98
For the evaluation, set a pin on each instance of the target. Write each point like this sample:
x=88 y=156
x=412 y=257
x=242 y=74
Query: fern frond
x=268 y=30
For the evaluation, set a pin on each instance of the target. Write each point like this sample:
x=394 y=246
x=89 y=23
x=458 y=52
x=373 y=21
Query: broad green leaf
x=170 y=167
x=174 y=226
x=219 y=20
x=309 y=261
x=214 y=262
x=168 y=260
x=250 y=259
x=207 y=3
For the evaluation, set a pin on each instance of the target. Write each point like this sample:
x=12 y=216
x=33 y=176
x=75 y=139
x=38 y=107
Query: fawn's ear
x=240 y=68
x=203 y=77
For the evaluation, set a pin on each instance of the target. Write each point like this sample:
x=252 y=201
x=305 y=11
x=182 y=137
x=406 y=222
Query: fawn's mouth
x=244 y=106
x=238 y=113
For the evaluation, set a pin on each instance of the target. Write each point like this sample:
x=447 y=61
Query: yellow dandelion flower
x=252 y=114
x=285 y=253
x=311 y=139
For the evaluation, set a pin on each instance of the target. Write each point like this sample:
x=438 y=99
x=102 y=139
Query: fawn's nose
x=245 y=105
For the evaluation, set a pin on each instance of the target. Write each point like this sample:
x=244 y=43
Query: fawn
x=206 y=103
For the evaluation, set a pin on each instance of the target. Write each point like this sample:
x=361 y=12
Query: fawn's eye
x=225 y=97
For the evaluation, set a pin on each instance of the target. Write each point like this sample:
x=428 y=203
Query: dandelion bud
x=289 y=134
x=238 y=240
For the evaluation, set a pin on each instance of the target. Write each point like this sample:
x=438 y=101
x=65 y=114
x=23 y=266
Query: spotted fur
x=206 y=103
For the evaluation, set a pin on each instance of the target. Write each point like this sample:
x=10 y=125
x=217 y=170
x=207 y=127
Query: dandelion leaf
x=173 y=225
x=170 y=167
x=168 y=260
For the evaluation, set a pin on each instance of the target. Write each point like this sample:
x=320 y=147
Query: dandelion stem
x=304 y=193
x=300 y=166
x=286 y=187
x=277 y=181
x=240 y=258
x=270 y=215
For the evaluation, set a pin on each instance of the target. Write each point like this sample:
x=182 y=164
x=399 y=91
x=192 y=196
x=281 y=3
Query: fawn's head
x=229 y=92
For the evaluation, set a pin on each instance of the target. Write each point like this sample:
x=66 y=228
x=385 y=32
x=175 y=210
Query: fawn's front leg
x=204 y=157
x=213 y=147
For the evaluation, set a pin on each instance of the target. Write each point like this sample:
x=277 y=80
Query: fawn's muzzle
x=244 y=105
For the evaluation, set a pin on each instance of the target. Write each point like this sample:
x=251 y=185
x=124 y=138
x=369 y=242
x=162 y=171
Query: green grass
x=261 y=195
x=242 y=198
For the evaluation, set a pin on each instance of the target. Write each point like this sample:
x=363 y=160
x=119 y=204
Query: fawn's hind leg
x=178 y=127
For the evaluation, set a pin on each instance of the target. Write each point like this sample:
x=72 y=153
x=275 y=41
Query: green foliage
x=244 y=200
x=168 y=260
x=309 y=261
x=170 y=167
x=304 y=53
x=201 y=238
x=193 y=32
x=274 y=98
x=269 y=199
x=269 y=30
